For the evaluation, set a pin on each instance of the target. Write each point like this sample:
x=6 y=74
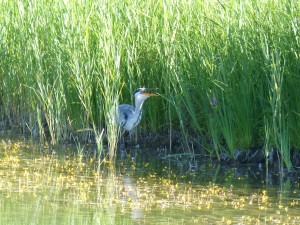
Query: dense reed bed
x=228 y=71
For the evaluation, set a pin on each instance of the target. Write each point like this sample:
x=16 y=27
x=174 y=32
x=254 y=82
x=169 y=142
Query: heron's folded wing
x=125 y=111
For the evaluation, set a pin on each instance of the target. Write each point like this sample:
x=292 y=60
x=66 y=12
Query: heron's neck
x=139 y=104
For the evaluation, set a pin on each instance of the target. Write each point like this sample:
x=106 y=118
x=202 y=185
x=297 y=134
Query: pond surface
x=144 y=187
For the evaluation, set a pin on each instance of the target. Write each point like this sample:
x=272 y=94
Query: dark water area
x=201 y=170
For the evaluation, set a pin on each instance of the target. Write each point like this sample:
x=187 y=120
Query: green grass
x=64 y=63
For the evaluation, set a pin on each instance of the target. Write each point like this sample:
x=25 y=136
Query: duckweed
x=66 y=181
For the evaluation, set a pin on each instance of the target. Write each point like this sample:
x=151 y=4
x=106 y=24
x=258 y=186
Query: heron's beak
x=149 y=91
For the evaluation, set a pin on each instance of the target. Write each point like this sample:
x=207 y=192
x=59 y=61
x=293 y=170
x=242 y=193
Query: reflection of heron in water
x=130 y=185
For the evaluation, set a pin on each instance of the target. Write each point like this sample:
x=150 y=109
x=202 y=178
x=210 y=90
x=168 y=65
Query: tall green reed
x=279 y=117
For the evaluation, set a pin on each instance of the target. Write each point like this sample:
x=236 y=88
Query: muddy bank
x=166 y=144
x=177 y=144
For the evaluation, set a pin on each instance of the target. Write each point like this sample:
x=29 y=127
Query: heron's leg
x=122 y=141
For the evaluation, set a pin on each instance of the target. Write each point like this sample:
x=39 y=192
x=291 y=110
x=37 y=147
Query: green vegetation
x=228 y=71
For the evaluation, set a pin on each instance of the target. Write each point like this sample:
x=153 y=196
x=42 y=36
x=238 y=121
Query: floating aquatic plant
x=67 y=181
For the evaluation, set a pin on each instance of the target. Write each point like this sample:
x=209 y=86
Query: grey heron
x=130 y=116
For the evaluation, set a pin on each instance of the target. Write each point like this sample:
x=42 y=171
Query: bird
x=129 y=116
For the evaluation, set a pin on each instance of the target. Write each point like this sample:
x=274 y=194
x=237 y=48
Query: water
x=145 y=187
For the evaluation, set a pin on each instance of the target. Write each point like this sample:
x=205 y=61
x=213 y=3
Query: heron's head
x=144 y=93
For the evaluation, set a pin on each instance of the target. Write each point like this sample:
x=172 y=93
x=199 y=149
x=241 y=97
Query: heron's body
x=129 y=116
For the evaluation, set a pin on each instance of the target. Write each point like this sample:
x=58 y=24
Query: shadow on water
x=199 y=170
x=145 y=186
